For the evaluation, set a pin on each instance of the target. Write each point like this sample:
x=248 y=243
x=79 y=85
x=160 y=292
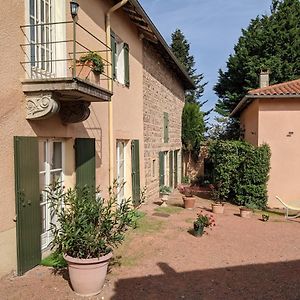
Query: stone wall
x=162 y=92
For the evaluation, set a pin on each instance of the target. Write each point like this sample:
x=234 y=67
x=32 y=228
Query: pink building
x=271 y=115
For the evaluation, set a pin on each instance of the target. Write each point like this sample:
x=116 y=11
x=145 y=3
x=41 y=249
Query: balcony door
x=47 y=38
x=50 y=170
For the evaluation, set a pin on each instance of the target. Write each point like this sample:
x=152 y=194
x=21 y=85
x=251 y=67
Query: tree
x=270 y=42
x=193 y=128
x=181 y=49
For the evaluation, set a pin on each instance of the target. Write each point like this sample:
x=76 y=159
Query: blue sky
x=211 y=26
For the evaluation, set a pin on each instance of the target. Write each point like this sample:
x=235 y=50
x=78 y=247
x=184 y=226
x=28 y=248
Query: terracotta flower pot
x=87 y=275
x=84 y=71
x=217 y=208
x=245 y=212
x=189 y=202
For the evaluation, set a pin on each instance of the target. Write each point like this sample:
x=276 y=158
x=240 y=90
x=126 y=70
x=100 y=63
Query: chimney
x=264 y=78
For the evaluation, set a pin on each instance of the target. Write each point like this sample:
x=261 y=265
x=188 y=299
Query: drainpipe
x=110 y=88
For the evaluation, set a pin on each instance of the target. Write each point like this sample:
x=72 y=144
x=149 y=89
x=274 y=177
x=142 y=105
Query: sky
x=212 y=27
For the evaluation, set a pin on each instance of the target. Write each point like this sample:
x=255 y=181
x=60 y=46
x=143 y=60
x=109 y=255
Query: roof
x=146 y=27
x=287 y=89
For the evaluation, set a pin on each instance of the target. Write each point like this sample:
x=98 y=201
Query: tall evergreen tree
x=270 y=42
x=181 y=49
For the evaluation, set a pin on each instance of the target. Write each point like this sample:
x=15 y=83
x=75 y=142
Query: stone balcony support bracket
x=41 y=106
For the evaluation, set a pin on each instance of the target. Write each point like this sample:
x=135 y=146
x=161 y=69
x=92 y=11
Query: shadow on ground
x=259 y=281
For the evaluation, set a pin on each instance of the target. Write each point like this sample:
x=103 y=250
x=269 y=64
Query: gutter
x=250 y=98
x=110 y=88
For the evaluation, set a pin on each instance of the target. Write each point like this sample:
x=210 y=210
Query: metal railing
x=54 y=50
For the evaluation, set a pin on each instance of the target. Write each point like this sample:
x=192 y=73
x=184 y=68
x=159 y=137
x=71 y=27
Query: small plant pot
x=198 y=230
x=265 y=218
x=189 y=202
x=164 y=199
x=87 y=276
x=217 y=208
x=245 y=212
x=84 y=71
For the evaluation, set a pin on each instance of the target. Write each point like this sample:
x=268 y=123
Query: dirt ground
x=237 y=259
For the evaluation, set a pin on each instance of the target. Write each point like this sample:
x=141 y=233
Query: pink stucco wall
x=277 y=123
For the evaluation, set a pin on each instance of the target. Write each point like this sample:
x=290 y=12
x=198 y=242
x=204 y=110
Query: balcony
x=60 y=76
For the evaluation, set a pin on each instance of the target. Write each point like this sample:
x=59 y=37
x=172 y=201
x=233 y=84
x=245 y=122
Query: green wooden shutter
x=135 y=171
x=126 y=64
x=161 y=168
x=175 y=168
x=27 y=196
x=166 y=127
x=113 y=54
x=171 y=170
x=85 y=162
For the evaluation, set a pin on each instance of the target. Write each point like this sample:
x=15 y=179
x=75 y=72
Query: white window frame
x=46 y=236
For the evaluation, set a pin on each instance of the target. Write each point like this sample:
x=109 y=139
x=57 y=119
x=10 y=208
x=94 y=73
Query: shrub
x=240 y=172
x=87 y=225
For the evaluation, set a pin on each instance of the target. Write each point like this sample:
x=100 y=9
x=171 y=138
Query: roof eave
x=249 y=98
x=189 y=83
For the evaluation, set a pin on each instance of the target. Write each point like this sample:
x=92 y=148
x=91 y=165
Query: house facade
x=271 y=115
x=60 y=120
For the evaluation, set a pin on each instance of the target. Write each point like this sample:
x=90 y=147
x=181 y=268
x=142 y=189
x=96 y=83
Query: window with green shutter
x=166 y=127
x=113 y=54
x=126 y=64
x=120 y=60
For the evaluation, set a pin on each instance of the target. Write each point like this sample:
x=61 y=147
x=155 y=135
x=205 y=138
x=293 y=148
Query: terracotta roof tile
x=285 y=88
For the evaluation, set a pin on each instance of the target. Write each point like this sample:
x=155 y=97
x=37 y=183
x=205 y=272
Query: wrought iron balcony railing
x=54 y=51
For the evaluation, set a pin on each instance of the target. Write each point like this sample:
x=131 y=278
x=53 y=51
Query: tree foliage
x=181 y=49
x=192 y=127
x=270 y=42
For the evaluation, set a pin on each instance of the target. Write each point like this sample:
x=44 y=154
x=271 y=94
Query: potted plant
x=265 y=217
x=91 y=61
x=87 y=229
x=218 y=206
x=188 y=199
x=164 y=191
x=247 y=210
x=203 y=221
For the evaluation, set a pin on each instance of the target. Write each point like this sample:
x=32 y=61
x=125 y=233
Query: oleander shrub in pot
x=87 y=230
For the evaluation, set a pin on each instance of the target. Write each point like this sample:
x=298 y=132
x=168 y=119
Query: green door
x=175 y=168
x=161 y=168
x=27 y=195
x=135 y=172
x=85 y=163
x=171 y=170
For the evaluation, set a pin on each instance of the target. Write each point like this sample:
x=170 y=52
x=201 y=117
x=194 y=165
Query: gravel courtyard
x=238 y=259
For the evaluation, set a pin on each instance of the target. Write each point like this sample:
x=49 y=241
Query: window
x=41 y=33
x=51 y=170
x=166 y=128
x=121 y=170
x=120 y=60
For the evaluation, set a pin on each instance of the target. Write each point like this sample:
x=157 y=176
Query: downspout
x=110 y=88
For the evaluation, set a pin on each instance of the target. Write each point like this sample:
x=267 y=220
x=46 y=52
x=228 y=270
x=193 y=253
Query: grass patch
x=54 y=260
x=169 y=209
x=147 y=225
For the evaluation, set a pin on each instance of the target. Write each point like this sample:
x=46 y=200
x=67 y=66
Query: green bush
x=240 y=172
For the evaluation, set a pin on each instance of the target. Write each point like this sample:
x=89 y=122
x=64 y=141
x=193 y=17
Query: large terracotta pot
x=87 y=275
x=217 y=208
x=189 y=202
x=245 y=212
x=84 y=71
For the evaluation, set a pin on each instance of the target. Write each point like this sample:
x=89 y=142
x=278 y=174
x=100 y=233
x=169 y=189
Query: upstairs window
x=120 y=60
